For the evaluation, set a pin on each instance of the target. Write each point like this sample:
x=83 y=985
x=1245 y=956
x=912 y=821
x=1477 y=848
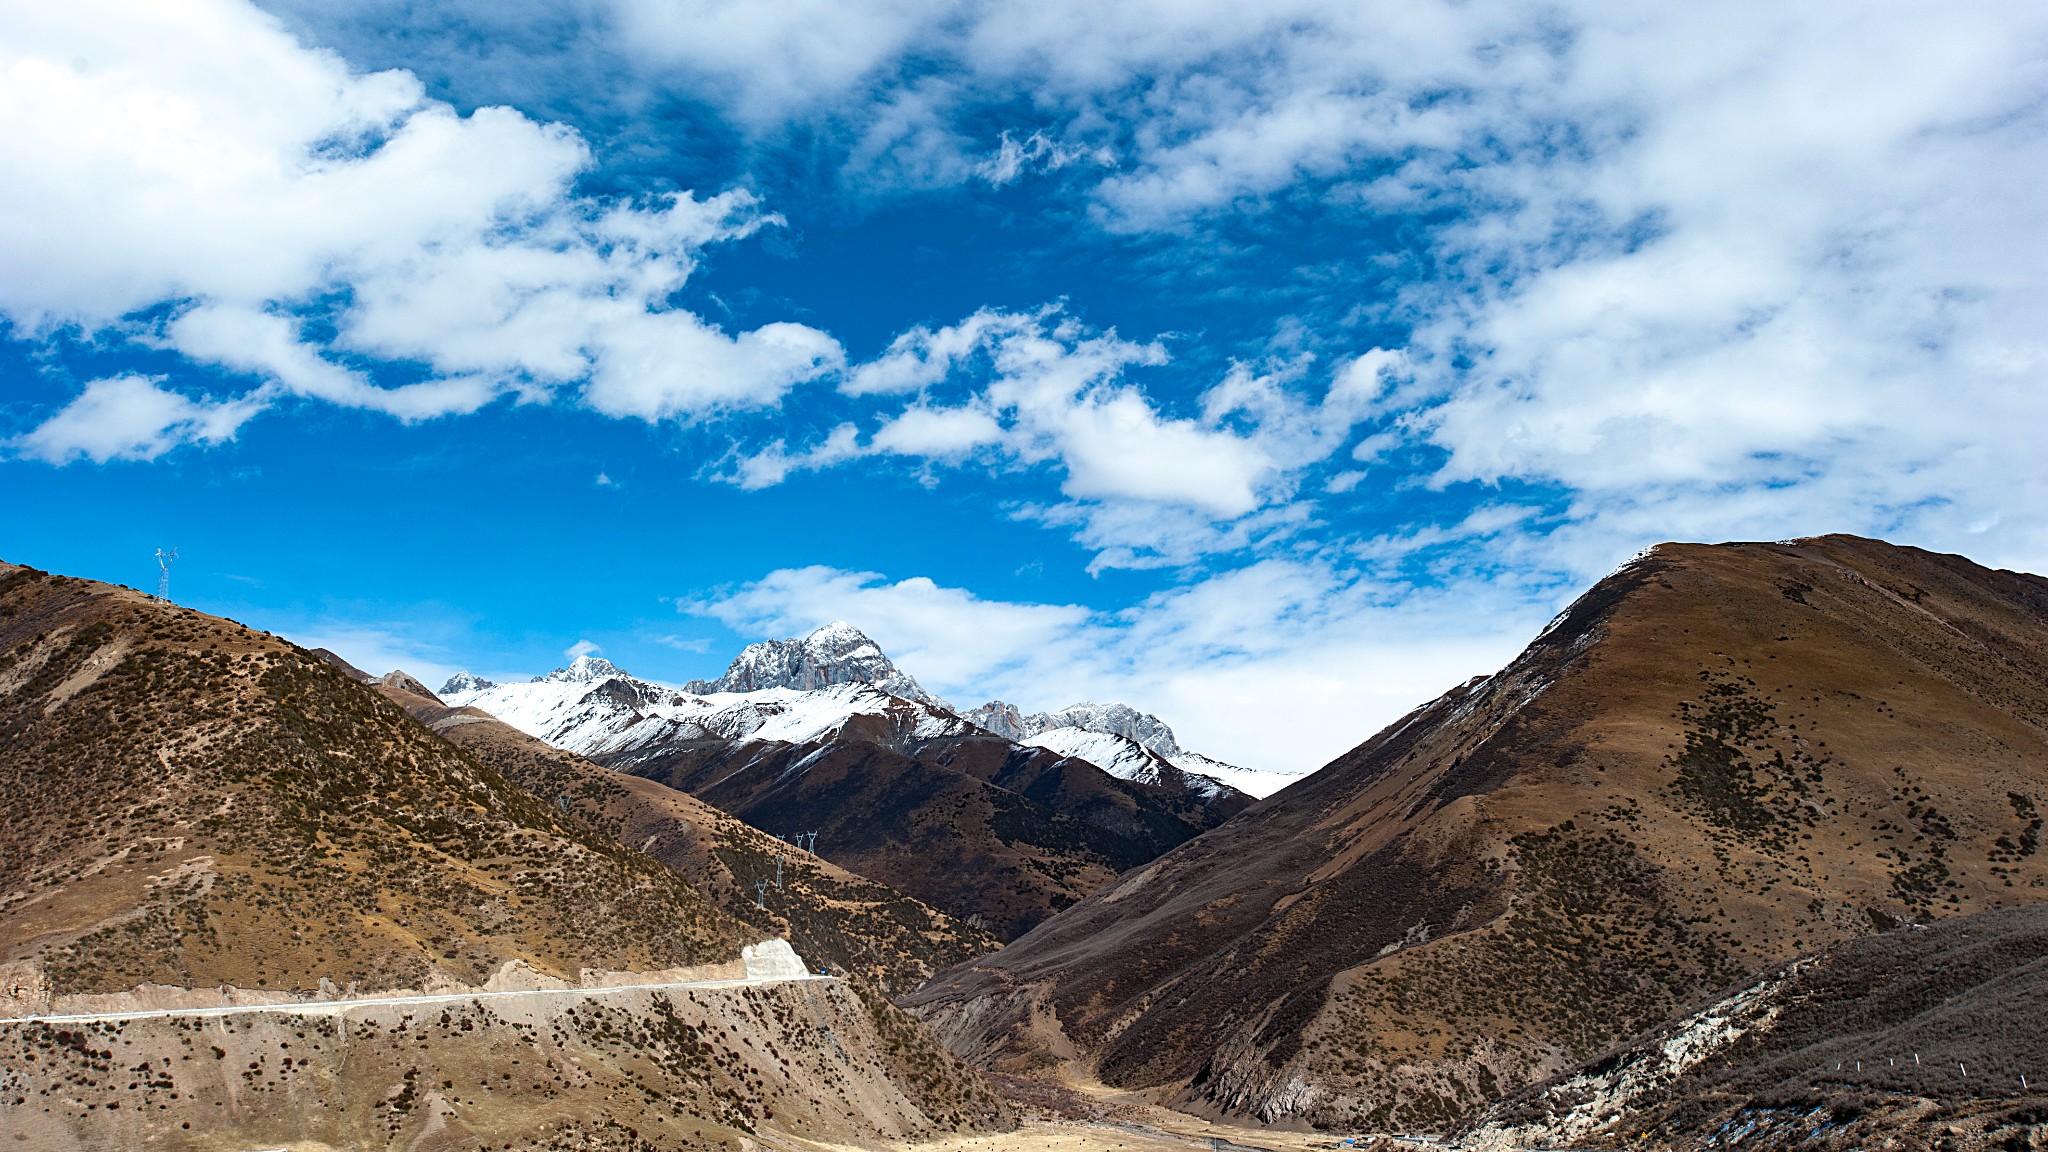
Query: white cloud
x=192 y=158
x=378 y=648
x=1143 y=487
x=132 y=418
x=581 y=648
x=773 y=60
x=1710 y=269
x=947 y=634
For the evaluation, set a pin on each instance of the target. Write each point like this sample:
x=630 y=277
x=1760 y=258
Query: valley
x=1741 y=817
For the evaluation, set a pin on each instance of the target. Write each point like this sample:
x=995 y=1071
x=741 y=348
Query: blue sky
x=1272 y=368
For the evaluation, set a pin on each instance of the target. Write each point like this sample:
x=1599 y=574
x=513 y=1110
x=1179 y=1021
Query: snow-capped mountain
x=837 y=653
x=594 y=708
x=833 y=683
x=1120 y=733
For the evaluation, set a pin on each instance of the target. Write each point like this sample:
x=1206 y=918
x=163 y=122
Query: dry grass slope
x=838 y=921
x=1717 y=759
x=185 y=801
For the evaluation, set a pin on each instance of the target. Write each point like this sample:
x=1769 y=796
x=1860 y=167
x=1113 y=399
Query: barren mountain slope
x=185 y=801
x=974 y=825
x=836 y=919
x=1719 y=758
x=1909 y=1038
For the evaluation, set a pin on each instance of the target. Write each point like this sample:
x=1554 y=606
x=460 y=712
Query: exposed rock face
x=837 y=653
x=1896 y=1039
x=464 y=682
x=1717 y=759
x=1128 y=743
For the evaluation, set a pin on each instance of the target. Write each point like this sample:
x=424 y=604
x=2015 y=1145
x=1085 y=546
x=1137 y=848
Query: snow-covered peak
x=583 y=670
x=1113 y=719
x=465 y=682
x=622 y=717
x=1144 y=737
x=837 y=653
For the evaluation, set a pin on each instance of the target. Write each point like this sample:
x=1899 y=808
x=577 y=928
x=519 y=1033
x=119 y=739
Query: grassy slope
x=1720 y=758
x=977 y=826
x=838 y=921
x=185 y=801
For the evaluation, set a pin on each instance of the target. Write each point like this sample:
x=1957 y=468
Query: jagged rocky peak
x=1005 y=720
x=465 y=682
x=837 y=653
x=584 y=670
x=1008 y=721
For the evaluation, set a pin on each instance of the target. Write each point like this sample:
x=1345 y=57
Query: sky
x=1270 y=367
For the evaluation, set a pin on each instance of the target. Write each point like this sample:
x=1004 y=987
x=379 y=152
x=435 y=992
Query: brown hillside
x=185 y=801
x=1718 y=758
x=837 y=920
x=1914 y=1038
x=975 y=825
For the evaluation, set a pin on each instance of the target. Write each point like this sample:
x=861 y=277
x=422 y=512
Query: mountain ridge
x=1715 y=759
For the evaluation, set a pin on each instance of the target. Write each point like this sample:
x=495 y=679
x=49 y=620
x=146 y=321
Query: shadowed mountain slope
x=185 y=801
x=1720 y=757
x=1894 y=1040
x=975 y=825
x=836 y=919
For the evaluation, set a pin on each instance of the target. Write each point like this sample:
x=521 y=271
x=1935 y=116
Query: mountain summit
x=1721 y=757
x=582 y=670
x=1123 y=740
x=837 y=653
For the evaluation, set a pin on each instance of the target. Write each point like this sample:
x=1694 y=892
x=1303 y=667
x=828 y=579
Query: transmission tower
x=778 y=871
x=760 y=893
x=163 y=579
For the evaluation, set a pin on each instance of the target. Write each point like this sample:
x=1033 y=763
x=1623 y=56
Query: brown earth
x=628 y=1071
x=1910 y=1039
x=999 y=834
x=838 y=921
x=186 y=801
x=1719 y=758
x=189 y=804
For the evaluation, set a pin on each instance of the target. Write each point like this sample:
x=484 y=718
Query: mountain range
x=1717 y=759
x=822 y=734
x=833 y=682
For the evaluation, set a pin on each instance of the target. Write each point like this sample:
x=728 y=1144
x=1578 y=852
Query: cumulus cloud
x=948 y=634
x=282 y=216
x=1728 y=269
x=1144 y=486
x=132 y=418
